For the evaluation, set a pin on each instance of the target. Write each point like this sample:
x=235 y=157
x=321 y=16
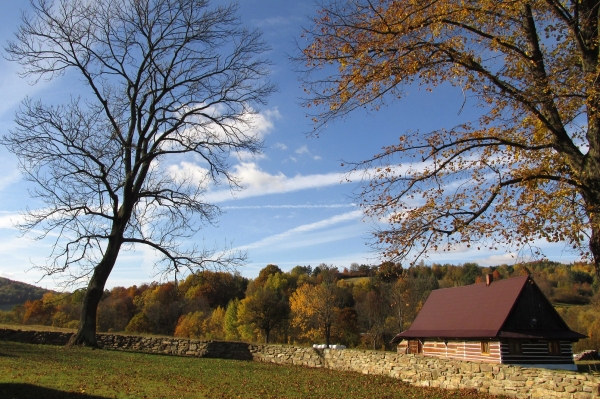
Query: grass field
x=40 y=371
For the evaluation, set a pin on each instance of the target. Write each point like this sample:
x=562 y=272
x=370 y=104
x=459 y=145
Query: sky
x=297 y=207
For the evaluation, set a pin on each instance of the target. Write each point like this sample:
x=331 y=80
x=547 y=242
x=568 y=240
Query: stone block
x=486 y=368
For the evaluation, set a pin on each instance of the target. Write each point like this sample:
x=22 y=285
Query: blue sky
x=297 y=208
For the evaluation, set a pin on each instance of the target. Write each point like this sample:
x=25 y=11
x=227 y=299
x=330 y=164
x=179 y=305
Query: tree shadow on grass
x=29 y=391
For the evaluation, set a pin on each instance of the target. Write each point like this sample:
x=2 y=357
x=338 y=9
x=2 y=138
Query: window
x=485 y=347
x=554 y=347
x=515 y=348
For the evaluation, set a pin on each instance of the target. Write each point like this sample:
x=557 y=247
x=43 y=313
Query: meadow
x=41 y=371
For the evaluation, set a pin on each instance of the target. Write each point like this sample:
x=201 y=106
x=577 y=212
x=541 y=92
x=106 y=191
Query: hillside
x=15 y=293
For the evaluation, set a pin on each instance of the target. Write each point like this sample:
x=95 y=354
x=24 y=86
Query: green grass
x=40 y=371
x=356 y=280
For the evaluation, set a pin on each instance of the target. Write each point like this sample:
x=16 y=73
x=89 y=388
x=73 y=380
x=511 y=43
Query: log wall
x=532 y=352
x=536 y=352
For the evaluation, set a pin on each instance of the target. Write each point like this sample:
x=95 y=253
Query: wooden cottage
x=506 y=321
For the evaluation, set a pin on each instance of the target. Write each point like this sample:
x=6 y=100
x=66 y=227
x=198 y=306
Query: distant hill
x=16 y=293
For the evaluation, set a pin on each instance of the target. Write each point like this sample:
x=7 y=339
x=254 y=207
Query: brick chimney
x=488 y=279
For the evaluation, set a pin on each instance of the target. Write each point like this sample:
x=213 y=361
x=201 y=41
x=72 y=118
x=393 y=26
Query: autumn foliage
x=306 y=305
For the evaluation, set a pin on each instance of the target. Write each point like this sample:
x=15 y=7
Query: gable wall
x=533 y=305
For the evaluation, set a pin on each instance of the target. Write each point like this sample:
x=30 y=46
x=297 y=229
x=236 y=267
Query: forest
x=363 y=306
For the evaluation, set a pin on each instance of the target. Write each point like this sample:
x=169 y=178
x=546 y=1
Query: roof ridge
x=478 y=284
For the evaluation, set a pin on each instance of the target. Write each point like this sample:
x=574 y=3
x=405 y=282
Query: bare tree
x=166 y=78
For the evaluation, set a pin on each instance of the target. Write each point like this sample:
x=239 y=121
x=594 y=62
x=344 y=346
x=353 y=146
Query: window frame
x=485 y=347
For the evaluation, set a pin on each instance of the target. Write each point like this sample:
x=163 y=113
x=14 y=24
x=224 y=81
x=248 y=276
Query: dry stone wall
x=512 y=381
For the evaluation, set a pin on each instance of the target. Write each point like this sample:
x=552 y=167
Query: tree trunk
x=86 y=334
x=595 y=246
x=592 y=202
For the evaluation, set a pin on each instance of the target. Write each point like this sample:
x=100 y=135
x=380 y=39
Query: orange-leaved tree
x=315 y=311
x=527 y=169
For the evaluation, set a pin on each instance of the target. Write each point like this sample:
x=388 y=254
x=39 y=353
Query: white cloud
x=274 y=21
x=14 y=89
x=9 y=244
x=322 y=206
x=305 y=151
x=258 y=182
x=302 y=150
x=203 y=126
x=314 y=239
x=263 y=122
x=9 y=219
x=9 y=178
x=187 y=171
x=280 y=146
x=246 y=156
x=305 y=228
x=7 y=275
x=500 y=259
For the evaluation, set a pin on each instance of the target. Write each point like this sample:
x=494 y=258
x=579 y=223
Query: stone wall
x=512 y=381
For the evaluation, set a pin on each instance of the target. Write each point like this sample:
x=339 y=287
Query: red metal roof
x=473 y=311
x=481 y=311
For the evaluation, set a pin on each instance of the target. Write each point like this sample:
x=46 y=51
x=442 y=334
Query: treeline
x=363 y=306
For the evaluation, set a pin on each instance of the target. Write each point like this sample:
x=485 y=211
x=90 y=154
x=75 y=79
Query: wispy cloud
x=258 y=182
x=302 y=229
x=274 y=21
x=9 y=219
x=323 y=206
x=15 y=89
x=9 y=178
x=302 y=150
x=280 y=146
x=247 y=156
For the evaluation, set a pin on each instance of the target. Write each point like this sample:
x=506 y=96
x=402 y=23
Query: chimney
x=488 y=279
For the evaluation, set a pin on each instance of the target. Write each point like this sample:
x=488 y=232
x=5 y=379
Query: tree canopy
x=527 y=169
